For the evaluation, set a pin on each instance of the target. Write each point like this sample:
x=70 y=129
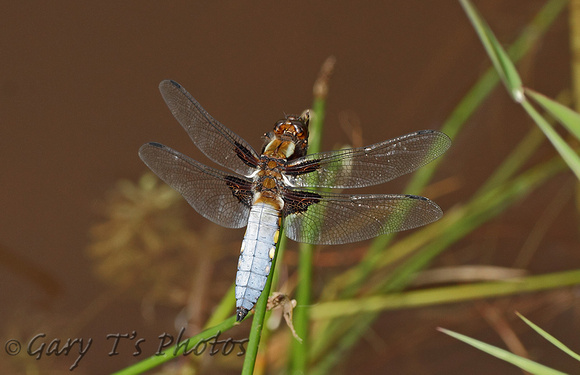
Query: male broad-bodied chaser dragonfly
x=273 y=185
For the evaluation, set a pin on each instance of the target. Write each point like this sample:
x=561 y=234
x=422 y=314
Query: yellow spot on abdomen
x=272 y=252
x=276 y=235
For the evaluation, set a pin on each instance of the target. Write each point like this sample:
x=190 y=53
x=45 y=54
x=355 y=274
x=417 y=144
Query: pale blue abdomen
x=258 y=248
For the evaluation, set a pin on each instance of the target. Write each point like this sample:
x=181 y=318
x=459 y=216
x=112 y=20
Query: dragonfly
x=279 y=184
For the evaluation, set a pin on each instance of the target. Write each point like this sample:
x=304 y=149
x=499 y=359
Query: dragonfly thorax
x=279 y=149
x=268 y=182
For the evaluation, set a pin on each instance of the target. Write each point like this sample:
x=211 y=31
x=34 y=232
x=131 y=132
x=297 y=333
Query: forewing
x=331 y=219
x=371 y=165
x=217 y=142
x=217 y=196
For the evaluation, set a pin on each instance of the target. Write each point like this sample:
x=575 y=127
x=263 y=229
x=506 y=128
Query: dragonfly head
x=293 y=129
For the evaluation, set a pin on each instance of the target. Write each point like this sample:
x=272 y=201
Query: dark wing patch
x=302 y=167
x=214 y=194
x=241 y=189
x=298 y=201
x=216 y=141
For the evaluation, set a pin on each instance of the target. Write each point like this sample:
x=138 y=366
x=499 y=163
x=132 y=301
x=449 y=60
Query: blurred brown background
x=78 y=97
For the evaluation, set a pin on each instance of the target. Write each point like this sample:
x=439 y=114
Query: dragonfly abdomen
x=258 y=249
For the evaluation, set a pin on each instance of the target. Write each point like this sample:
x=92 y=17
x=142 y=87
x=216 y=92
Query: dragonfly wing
x=371 y=165
x=331 y=219
x=216 y=141
x=219 y=197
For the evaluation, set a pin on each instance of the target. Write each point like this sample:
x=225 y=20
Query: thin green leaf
x=523 y=363
x=550 y=338
x=186 y=346
x=511 y=79
x=503 y=64
x=448 y=294
x=300 y=350
x=566 y=116
x=301 y=316
x=566 y=152
x=258 y=320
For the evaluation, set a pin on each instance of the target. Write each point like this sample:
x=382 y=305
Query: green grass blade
x=566 y=116
x=511 y=79
x=447 y=294
x=557 y=343
x=504 y=66
x=178 y=350
x=525 y=42
x=566 y=152
x=301 y=316
x=258 y=320
x=523 y=363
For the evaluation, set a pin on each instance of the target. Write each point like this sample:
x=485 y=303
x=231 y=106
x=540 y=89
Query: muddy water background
x=78 y=96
